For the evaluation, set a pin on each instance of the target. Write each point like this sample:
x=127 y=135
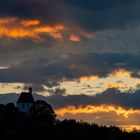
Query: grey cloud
x=36 y=87
x=40 y=70
x=92 y=15
x=97 y=15
x=108 y=97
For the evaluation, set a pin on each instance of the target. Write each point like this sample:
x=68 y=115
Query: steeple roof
x=26 y=97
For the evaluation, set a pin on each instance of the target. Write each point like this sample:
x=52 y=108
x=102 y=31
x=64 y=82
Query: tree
x=42 y=111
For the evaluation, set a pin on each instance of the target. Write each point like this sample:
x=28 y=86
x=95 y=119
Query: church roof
x=25 y=97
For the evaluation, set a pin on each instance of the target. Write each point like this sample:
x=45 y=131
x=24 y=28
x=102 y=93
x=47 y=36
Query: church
x=25 y=101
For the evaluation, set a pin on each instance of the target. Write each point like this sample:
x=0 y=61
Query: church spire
x=30 y=90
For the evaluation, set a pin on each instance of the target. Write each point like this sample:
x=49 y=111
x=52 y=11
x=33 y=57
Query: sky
x=83 y=56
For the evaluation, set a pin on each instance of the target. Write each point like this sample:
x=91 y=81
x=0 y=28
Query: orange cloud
x=117 y=86
x=74 y=38
x=33 y=28
x=28 y=28
x=130 y=128
x=54 y=31
x=122 y=72
x=27 y=23
x=88 y=78
x=4 y=21
x=18 y=32
x=72 y=110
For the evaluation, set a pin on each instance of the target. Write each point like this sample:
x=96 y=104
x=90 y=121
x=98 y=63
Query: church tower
x=25 y=101
x=30 y=90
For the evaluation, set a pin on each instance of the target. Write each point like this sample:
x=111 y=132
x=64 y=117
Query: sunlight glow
x=17 y=28
x=91 y=85
x=122 y=72
x=117 y=85
x=27 y=23
x=72 y=110
x=88 y=78
x=74 y=38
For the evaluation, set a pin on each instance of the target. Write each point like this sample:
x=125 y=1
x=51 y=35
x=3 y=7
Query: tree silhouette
x=41 y=123
x=42 y=111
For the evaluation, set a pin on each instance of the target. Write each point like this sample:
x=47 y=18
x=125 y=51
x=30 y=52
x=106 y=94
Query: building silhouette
x=25 y=101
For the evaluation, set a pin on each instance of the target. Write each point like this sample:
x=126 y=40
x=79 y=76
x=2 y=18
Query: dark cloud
x=92 y=15
x=26 y=9
x=40 y=70
x=101 y=15
x=100 y=4
x=36 y=87
x=108 y=97
x=57 y=92
x=14 y=8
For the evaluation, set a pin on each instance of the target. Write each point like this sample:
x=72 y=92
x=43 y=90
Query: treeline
x=41 y=123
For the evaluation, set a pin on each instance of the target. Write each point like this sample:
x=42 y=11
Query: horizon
x=76 y=112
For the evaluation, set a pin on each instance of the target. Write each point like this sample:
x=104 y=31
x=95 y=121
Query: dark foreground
x=40 y=123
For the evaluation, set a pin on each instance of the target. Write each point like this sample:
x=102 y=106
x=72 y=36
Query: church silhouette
x=25 y=101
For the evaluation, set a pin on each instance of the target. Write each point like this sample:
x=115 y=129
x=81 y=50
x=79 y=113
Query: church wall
x=24 y=107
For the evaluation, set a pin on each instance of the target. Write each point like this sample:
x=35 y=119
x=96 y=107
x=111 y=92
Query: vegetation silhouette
x=41 y=123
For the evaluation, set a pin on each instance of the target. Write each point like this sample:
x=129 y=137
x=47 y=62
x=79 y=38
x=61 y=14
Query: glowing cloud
x=16 y=28
x=72 y=110
x=54 y=31
x=74 y=38
x=122 y=72
x=27 y=23
x=8 y=87
x=4 y=21
x=16 y=32
x=117 y=86
x=130 y=128
x=88 y=78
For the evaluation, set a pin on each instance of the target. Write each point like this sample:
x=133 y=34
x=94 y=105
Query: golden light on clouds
x=88 y=78
x=27 y=23
x=130 y=128
x=16 y=28
x=90 y=109
x=11 y=87
x=117 y=85
x=74 y=38
x=17 y=32
x=4 y=21
x=122 y=72
x=35 y=29
x=54 y=31
x=91 y=85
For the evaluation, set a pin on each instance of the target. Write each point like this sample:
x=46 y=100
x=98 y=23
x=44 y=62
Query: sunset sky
x=82 y=55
